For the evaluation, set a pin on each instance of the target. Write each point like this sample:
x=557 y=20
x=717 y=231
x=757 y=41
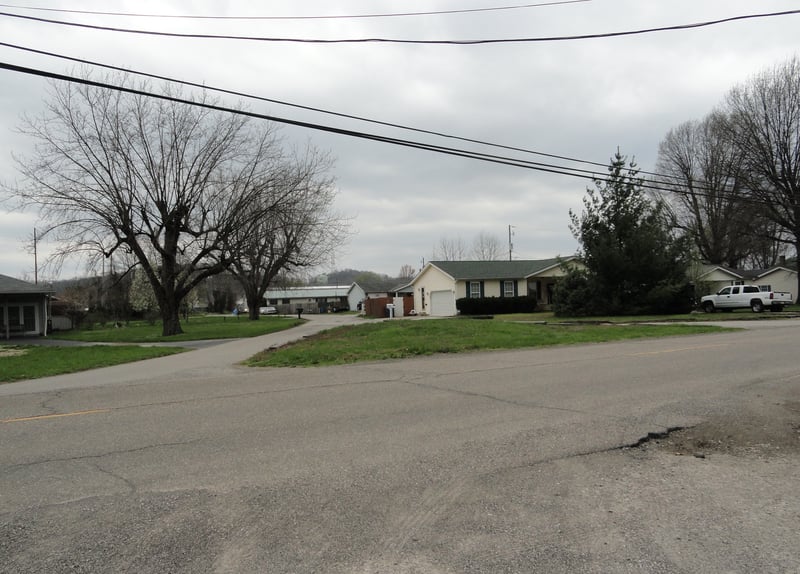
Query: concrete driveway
x=212 y=357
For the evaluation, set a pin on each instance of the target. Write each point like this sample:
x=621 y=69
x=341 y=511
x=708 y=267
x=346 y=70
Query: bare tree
x=406 y=272
x=765 y=127
x=706 y=181
x=450 y=249
x=768 y=245
x=487 y=247
x=164 y=181
x=298 y=227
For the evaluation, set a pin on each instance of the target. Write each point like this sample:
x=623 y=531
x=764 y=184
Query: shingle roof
x=402 y=288
x=11 y=286
x=477 y=270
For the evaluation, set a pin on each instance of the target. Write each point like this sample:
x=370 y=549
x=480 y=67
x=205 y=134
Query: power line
x=405 y=41
x=309 y=125
x=300 y=106
x=337 y=114
x=329 y=112
x=328 y=17
x=502 y=160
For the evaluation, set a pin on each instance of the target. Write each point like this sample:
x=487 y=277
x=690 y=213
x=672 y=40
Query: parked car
x=267 y=311
x=744 y=296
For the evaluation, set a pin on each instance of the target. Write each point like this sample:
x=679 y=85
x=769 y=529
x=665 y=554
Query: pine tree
x=635 y=261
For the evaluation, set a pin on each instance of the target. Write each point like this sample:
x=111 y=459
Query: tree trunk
x=170 y=319
x=796 y=294
x=253 y=301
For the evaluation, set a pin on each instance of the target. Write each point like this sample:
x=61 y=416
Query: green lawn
x=32 y=362
x=408 y=338
x=195 y=329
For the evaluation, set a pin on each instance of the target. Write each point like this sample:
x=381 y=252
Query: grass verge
x=32 y=362
x=195 y=329
x=734 y=315
x=408 y=338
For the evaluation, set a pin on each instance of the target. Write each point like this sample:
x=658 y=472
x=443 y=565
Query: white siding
x=781 y=279
x=428 y=281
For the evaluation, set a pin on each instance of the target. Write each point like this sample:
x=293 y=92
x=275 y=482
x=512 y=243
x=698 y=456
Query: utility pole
x=35 y=260
x=510 y=244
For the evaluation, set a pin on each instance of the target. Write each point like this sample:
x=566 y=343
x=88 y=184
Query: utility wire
x=502 y=160
x=329 y=112
x=309 y=125
x=405 y=41
x=328 y=17
x=299 y=106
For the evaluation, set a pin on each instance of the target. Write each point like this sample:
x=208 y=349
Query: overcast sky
x=581 y=99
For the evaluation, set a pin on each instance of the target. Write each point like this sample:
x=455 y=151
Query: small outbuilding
x=316 y=298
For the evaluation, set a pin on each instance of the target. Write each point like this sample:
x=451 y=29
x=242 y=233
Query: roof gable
x=711 y=269
x=770 y=271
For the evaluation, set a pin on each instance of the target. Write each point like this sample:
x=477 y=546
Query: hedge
x=495 y=305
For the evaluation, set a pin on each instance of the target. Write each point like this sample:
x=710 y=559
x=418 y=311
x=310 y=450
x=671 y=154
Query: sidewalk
x=210 y=358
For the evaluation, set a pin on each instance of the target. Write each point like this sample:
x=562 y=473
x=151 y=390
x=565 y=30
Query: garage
x=443 y=304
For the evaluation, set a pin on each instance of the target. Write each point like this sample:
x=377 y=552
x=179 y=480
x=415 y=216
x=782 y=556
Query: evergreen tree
x=635 y=262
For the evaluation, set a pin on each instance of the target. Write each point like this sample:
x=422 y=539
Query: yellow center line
x=677 y=350
x=42 y=417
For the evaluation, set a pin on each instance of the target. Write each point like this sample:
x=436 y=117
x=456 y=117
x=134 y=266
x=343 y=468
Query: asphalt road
x=523 y=461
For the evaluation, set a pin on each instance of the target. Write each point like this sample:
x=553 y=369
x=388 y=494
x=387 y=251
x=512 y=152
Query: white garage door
x=443 y=304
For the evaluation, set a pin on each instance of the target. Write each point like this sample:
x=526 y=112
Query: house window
x=765 y=287
x=287 y=301
x=508 y=288
x=474 y=289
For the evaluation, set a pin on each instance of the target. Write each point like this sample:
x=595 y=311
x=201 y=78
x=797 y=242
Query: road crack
x=98 y=456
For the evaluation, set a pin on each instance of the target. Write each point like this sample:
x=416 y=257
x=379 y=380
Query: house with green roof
x=440 y=283
x=23 y=307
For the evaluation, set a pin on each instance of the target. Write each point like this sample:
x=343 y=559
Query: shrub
x=574 y=296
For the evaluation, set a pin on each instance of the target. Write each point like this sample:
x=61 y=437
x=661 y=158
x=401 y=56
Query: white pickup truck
x=744 y=296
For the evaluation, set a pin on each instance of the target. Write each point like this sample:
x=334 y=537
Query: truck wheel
x=708 y=307
x=756 y=305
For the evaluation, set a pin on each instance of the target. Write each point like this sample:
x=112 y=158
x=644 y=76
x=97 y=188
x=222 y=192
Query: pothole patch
x=763 y=430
